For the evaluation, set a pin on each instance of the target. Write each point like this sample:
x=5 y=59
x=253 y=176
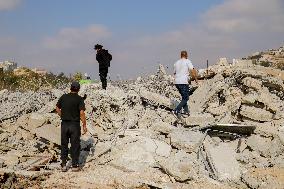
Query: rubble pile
x=233 y=138
x=271 y=58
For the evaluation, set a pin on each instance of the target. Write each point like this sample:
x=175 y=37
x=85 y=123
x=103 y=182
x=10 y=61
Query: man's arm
x=58 y=110
x=193 y=74
x=83 y=119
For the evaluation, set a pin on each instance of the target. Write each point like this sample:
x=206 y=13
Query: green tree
x=78 y=76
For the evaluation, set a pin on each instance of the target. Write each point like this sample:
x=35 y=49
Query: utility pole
x=207 y=68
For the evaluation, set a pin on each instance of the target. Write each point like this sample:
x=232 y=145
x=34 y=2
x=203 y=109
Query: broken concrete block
x=49 y=107
x=281 y=135
x=163 y=127
x=50 y=133
x=2 y=163
x=216 y=110
x=134 y=157
x=223 y=62
x=250 y=98
x=252 y=159
x=54 y=119
x=243 y=63
x=206 y=91
x=10 y=160
x=198 y=119
x=139 y=155
x=36 y=120
x=259 y=144
x=186 y=140
x=156 y=99
x=264 y=178
x=266 y=129
x=256 y=114
x=157 y=147
x=179 y=165
x=222 y=160
x=252 y=83
x=265 y=146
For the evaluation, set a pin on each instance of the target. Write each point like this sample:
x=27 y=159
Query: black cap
x=75 y=85
x=97 y=46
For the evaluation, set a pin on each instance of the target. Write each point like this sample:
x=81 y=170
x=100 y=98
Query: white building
x=8 y=66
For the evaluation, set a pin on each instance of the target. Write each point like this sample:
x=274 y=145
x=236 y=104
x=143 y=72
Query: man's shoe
x=64 y=168
x=76 y=168
x=185 y=114
x=176 y=113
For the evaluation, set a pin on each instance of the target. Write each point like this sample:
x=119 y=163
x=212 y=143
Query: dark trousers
x=103 y=76
x=183 y=89
x=70 y=130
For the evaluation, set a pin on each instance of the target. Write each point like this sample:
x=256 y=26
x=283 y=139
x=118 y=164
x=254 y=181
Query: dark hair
x=183 y=54
x=74 y=89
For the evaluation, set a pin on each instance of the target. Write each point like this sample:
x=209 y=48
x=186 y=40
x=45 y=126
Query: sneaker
x=176 y=113
x=64 y=168
x=185 y=114
x=76 y=168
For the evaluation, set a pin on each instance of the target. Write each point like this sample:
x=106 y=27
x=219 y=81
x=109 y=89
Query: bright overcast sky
x=59 y=35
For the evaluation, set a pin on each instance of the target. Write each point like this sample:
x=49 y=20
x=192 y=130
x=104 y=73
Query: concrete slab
x=186 y=140
x=198 y=119
x=256 y=114
x=179 y=165
x=50 y=133
x=222 y=160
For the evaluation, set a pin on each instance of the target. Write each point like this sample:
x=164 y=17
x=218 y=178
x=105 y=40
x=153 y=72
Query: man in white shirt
x=182 y=69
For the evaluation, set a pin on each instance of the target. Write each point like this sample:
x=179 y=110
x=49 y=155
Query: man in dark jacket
x=71 y=109
x=103 y=57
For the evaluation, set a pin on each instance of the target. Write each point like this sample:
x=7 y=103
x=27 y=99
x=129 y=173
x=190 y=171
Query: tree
x=78 y=76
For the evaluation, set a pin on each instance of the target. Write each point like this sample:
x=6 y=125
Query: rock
x=281 y=135
x=140 y=155
x=206 y=91
x=262 y=178
x=186 y=140
x=198 y=119
x=162 y=127
x=54 y=119
x=133 y=158
x=179 y=165
x=252 y=159
x=2 y=163
x=49 y=107
x=252 y=83
x=162 y=70
x=256 y=114
x=223 y=62
x=36 y=120
x=10 y=160
x=222 y=160
x=156 y=99
x=50 y=133
x=265 y=146
x=243 y=63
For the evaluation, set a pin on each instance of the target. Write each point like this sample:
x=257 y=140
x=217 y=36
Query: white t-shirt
x=182 y=67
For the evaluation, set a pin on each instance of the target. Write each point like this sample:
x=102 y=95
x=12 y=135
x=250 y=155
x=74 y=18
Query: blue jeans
x=183 y=89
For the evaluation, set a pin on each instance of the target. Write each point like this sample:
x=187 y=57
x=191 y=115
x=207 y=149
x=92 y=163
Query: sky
x=59 y=36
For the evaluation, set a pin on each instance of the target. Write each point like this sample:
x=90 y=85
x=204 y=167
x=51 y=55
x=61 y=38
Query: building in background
x=8 y=66
x=39 y=71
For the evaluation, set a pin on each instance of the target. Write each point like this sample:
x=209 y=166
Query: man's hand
x=83 y=119
x=58 y=110
x=85 y=130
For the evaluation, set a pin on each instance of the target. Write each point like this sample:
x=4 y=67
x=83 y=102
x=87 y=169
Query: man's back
x=70 y=105
x=182 y=67
x=104 y=58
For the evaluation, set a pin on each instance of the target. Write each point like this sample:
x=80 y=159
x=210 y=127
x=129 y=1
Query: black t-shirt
x=70 y=104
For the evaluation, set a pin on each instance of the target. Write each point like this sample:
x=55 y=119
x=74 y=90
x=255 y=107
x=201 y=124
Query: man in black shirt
x=71 y=109
x=103 y=57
